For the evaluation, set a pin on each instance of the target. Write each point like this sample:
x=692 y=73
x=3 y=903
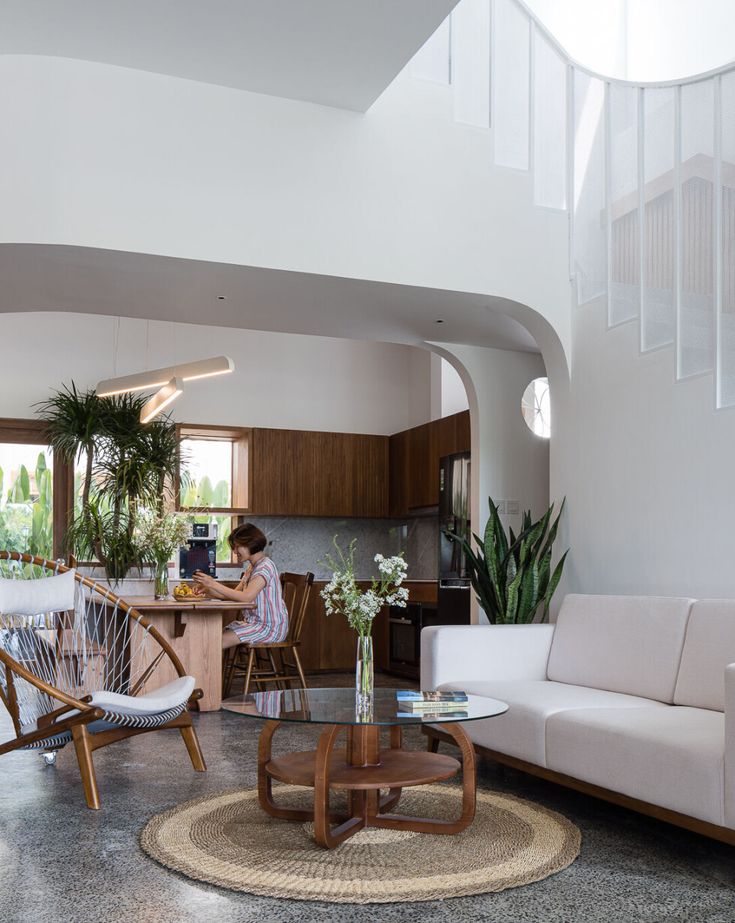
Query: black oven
x=404 y=651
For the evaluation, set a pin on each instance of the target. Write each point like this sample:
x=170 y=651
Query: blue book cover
x=415 y=695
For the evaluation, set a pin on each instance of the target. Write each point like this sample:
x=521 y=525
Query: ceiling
x=38 y=277
x=340 y=53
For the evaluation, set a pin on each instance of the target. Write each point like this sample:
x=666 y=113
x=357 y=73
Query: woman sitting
x=259 y=591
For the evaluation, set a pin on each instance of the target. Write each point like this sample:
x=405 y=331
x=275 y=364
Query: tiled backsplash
x=300 y=544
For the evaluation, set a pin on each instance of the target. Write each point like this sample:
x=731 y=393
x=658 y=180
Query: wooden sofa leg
x=193 y=748
x=86 y=766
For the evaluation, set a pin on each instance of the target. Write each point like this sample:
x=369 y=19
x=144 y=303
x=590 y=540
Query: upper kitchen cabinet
x=297 y=473
x=414 y=461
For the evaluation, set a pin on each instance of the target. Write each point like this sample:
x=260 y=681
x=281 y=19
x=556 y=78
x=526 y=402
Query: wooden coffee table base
x=363 y=770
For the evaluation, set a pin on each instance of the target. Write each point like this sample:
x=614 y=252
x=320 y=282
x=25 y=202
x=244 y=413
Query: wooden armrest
x=52 y=716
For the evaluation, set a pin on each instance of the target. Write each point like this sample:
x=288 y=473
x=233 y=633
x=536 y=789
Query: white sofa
x=629 y=698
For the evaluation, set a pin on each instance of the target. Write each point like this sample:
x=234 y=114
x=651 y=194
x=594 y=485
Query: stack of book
x=432 y=704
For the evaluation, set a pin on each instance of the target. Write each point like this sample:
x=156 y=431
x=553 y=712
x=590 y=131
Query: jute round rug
x=225 y=839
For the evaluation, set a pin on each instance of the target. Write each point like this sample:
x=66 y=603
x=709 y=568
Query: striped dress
x=269 y=621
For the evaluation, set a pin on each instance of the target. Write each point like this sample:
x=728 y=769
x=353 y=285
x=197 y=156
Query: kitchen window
x=213 y=478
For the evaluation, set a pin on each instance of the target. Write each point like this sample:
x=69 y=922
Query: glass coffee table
x=373 y=777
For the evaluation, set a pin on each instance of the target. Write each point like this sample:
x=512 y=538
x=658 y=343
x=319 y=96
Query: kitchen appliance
x=453 y=590
x=453 y=594
x=404 y=629
x=200 y=551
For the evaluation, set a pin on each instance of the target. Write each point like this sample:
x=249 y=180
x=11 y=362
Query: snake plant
x=511 y=574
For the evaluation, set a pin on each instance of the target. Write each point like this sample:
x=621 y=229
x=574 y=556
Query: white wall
x=281 y=380
x=107 y=157
x=647 y=468
x=453 y=393
x=508 y=461
x=669 y=39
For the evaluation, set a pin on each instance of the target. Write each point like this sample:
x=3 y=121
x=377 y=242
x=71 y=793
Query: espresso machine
x=200 y=551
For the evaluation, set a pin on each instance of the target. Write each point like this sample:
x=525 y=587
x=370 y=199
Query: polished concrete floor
x=62 y=862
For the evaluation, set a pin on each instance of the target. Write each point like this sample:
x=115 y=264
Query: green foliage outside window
x=26 y=509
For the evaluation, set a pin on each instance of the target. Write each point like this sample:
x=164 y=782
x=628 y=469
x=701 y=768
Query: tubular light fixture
x=161 y=399
x=157 y=378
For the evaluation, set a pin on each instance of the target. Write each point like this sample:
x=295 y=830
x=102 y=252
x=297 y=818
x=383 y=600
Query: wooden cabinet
x=298 y=473
x=327 y=641
x=421 y=455
x=329 y=644
x=398 y=453
x=414 y=461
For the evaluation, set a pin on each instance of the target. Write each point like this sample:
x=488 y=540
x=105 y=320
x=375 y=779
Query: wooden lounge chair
x=78 y=665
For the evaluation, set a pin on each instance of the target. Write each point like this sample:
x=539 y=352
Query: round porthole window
x=536 y=407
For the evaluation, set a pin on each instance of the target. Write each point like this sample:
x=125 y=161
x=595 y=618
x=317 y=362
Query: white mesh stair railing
x=78 y=664
x=646 y=171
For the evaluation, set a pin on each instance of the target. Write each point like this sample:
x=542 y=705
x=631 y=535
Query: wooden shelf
x=397 y=769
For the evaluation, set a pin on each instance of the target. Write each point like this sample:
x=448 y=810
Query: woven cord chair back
x=57 y=657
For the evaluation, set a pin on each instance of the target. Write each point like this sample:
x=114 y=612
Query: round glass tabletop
x=337 y=706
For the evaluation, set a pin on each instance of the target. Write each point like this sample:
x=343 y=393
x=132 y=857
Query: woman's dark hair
x=248 y=536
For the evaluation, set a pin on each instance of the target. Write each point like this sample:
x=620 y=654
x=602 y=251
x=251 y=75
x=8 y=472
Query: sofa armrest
x=730 y=745
x=462 y=653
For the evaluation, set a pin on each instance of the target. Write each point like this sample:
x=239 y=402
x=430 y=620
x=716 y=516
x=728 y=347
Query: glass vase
x=364 y=674
x=160 y=590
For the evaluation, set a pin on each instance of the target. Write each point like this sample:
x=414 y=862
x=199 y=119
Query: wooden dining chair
x=275 y=663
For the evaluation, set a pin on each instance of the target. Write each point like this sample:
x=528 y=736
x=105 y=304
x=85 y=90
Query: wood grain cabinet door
x=298 y=473
x=425 y=446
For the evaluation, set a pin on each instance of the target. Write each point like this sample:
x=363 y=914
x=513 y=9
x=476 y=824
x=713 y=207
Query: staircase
x=646 y=173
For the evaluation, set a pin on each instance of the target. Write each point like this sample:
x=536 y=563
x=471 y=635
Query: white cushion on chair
x=37 y=596
x=160 y=700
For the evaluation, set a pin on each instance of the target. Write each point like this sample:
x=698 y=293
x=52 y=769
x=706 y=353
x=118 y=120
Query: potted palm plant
x=128 y=467
x=511 y=574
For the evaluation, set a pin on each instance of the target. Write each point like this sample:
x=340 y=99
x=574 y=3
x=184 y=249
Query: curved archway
x=508 y=462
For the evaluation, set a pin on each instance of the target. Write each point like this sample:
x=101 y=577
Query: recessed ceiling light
x=440 y=322
x=221 y=297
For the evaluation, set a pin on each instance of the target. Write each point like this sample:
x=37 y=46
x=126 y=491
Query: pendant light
x=157 y=378
x=161 y=400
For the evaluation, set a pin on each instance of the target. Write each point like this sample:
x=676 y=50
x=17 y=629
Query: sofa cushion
x=520 y=732
x=629 y=644
x=709 y=646
x=670 y=756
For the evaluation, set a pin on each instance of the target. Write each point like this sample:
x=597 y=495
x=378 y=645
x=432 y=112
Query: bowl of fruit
x=187 y=591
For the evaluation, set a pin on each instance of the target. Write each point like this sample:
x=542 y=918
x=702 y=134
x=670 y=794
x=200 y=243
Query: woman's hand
x=246 y=597
x=204 y=580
